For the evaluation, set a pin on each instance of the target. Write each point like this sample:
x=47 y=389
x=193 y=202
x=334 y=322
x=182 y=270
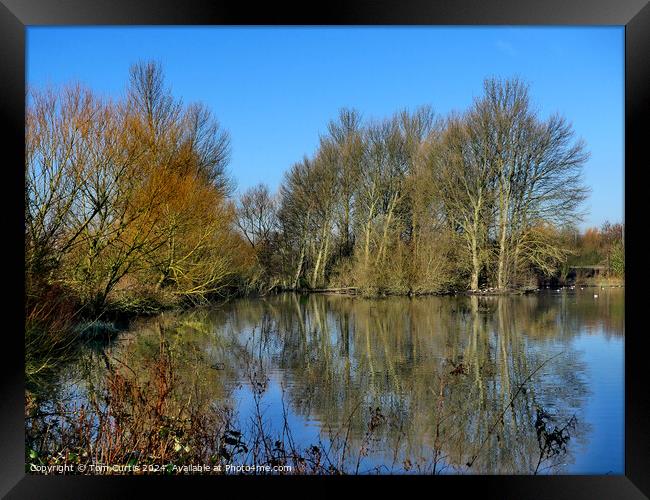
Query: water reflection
x=436 y=384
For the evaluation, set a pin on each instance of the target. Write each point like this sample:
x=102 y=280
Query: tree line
x=423 y=203
x=602 y=246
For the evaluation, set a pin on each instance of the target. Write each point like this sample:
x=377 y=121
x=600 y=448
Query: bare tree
x=464 y=183
x=537 y=165
x=346 y=150
x=256 y=214
x=294 y=215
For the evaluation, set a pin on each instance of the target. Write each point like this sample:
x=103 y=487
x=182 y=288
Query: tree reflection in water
x=435 y=384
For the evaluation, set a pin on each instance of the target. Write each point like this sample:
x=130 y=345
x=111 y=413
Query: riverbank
x=353 y=291
x=607 y=282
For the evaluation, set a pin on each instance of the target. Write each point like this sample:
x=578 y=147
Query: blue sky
x=274 y=89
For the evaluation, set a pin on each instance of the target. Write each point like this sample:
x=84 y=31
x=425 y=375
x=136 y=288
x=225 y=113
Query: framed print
x=364 y=242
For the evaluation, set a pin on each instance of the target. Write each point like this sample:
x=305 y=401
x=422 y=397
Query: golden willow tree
x=418 y=203
x=127 y=196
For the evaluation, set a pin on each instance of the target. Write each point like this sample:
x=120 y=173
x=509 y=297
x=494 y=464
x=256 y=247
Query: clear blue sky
x=274 y=89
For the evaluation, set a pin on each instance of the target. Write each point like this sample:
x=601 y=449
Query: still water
x=431 y=384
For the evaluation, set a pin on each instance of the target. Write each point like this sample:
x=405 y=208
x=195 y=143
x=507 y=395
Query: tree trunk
x=314 y=276
x=346 y=226
x=475 y=265
x=476 y=262
x=367 y=242
x=324 y=264
x=501 y=273
x=299 y=267
x=384 y=236
x=502 y=281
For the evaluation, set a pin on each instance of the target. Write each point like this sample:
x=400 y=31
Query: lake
x=441 y=384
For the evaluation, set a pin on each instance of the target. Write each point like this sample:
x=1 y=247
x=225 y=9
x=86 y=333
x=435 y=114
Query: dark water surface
x=432 y=384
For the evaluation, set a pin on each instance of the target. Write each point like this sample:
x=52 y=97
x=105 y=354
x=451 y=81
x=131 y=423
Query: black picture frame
x=16 y=15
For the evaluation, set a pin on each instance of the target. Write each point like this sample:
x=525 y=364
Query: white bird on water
x=595 y=295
